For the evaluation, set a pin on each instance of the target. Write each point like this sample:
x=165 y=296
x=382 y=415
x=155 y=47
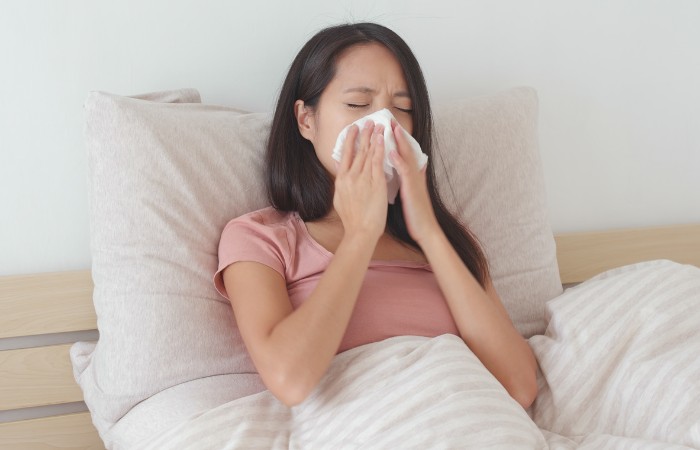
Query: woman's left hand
x=417 y=207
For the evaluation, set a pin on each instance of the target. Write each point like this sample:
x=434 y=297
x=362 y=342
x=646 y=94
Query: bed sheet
x=178 y=405
x=618 y=369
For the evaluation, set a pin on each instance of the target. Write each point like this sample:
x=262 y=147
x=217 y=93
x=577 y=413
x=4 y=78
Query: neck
x=331 y=217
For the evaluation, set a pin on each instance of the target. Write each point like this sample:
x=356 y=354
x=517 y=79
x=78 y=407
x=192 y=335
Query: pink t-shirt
x=397 y=297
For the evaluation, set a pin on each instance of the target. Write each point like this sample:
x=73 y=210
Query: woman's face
x=368 y=78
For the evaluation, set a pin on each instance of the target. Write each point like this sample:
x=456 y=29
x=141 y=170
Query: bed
x=39 y=379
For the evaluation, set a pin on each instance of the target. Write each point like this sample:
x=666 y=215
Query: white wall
x=618 y=83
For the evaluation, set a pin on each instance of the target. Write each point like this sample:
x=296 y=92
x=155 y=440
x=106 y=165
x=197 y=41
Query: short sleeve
x=251 y=238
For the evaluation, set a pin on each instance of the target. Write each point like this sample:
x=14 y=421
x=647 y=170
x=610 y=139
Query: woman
x=331 y=266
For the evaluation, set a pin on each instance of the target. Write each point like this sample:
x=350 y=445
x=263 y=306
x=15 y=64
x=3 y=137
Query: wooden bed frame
x=36 y=377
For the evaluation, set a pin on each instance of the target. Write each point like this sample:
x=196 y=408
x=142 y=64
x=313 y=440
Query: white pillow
x=164 y=179
x=620 y=356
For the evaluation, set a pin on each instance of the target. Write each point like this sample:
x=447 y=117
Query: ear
x=305 y=120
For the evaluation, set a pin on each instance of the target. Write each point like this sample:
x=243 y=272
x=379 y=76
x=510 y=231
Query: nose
x=383 y=102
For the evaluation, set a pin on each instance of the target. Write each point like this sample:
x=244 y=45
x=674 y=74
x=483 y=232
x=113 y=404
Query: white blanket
x=619 y=369
x=621 y=356
x=402 y=392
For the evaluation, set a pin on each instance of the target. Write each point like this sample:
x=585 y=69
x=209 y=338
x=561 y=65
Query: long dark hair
x=296 y=179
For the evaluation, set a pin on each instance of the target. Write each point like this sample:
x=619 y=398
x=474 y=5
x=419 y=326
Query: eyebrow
x=367 y=90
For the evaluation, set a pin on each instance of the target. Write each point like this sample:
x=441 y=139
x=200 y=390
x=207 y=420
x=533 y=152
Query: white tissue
x=383 y=117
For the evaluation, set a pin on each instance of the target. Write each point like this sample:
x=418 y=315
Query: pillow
x=164 y=179
x=166 y=173
x=620 y=356
x=489 y=156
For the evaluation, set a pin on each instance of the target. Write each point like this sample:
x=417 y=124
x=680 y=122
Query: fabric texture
x=383 y=117
x=167 y=173
x=620 y=356
x=414 y=392
x=489 y=172
x=396 y=298
x=164 y=179
x=405 y=392
x=173 y=406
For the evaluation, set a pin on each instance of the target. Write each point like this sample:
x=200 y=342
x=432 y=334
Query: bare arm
x=482 y=320
x=292 y=349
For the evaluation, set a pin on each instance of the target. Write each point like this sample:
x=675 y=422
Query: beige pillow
x=164 y=178
x=489 y=153
x=166 y=173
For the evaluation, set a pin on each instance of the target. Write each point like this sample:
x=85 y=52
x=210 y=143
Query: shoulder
x=265 y=236
x=262 y=218
x=264 y=228
x=263 y=222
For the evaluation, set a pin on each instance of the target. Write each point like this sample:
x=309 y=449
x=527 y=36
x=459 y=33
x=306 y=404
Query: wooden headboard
x=583 y=255
x=36 y=376
x=33 y=379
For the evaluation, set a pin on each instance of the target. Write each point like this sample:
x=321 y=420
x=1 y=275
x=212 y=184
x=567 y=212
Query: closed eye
x=404 y=110
x=352 y=105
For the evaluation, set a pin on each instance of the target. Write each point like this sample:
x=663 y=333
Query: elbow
x=526 y=397
x=289 y=386
x=524 y=391
x=290 y=396
x=524 y=385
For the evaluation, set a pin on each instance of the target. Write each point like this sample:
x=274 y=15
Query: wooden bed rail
x=583 y=255
x=41 y=377
x=46 y=303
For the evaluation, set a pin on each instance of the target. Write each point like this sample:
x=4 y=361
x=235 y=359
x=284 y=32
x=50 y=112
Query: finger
x=349 y=147
x=394 y=155
x=365 y=136
x=404 y=147
x=378 y=156
x=372 y=151
x=398 y=162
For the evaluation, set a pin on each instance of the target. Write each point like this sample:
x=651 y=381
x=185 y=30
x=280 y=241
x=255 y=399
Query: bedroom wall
x=618 y=86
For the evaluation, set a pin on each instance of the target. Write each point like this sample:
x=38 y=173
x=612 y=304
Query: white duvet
x=620 y=369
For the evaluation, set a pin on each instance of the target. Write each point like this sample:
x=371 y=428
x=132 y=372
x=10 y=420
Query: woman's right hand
x=360 y=197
